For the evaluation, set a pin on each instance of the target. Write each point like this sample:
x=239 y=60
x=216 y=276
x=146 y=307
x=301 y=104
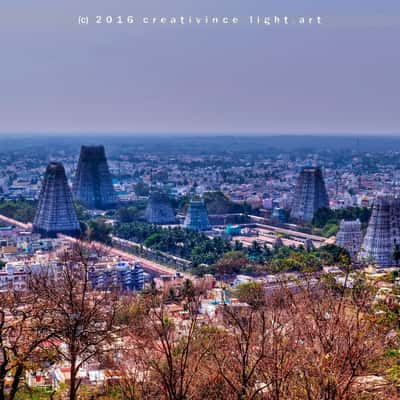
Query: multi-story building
x=122 y=276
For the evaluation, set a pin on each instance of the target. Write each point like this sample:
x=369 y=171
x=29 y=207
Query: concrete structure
x=310 y=194
x=56 y=212
x=197 y=217
x=149 y=266
x=383 y=233
x=233 y=230
x=279 y=215
x=350 y=237
x=159 y=210
x=14 y=276
x=123 y=276
x=93 y=184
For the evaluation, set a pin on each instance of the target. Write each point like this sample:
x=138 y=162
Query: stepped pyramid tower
x=159 y=210
x=197 y=216
x=383 y=233
x=93 y=184
x=55 y=212
x=310 y=194
x=350 y=237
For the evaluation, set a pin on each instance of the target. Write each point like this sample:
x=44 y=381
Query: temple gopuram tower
x=55 y=212
x=93 y=184
x=197 y=217
x=310 y=194
x=383 y=233
x=159 y=210
x=350 y=237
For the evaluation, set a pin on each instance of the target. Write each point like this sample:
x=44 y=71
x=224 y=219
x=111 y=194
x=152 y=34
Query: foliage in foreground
x=315 y=342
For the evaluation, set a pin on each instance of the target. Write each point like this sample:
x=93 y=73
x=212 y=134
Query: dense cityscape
x=200 y=268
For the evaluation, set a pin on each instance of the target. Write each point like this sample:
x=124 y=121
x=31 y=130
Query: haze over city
x=340 y=77
x=200 y=200
x=111 y=245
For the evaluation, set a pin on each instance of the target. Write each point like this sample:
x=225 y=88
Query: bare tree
x=338 y=341
x=304 y=342
x=22 y=336
x=282 y=352
x=242 y=344
x=169 y=352
x=83 y=318
x=128 y=363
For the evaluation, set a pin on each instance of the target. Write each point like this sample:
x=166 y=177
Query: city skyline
x=200 y=199
x=202 y=230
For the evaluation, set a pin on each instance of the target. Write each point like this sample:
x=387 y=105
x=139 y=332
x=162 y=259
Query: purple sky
x=342 y=77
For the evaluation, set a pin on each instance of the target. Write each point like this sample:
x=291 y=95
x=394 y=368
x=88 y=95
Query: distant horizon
x=175 y=143
x=195 y=134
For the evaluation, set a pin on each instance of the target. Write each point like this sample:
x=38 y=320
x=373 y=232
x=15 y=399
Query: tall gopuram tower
x=310 y=194
x=383 y=233
x=55 y=212
x=197 y=217
x=159 y=210
x=350 y=237
x=93 y=184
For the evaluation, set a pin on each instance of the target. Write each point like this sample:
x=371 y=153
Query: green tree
x=252 y=293
x=81 y=212
x=231 y=263
x=322 y=216
x=21 y=209
x=188 y=290
x=99 y=231
x=153 y=239
x=127 y=214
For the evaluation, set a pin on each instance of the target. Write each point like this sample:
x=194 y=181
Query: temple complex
x=383 y=233
x=350 y=237
x=159 y=210
x=55 y=212
x=93 y=184
x=197 y=216
x=310 y=194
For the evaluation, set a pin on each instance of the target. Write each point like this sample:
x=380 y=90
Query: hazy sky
x=341 y=77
